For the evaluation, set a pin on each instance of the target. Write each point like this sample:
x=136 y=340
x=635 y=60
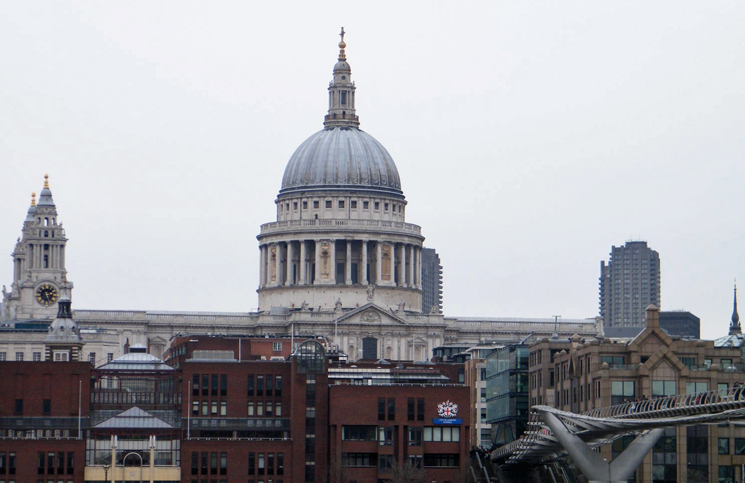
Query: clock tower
x=39 y=274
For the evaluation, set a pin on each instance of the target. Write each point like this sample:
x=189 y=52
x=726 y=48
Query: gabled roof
x=134 y=418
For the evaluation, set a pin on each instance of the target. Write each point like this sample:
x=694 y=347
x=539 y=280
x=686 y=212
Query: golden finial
x=46 y=180
x=33 y=199
x=342 y=46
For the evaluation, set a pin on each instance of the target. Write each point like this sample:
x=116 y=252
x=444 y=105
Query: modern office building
x=431 y=281
x=507 y=408
x=629 y=283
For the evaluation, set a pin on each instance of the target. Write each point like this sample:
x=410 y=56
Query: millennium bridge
x=552 y=434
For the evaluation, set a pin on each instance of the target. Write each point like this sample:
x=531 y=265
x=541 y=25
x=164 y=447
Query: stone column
x=278 y=265
x=262 y=266
x=317 y=273
x=363 y=277
x=333 y=262
x=303 y=264
x=288 y=280
x=410 y=267
x=378 y=261
x=418 y=267
x=348 y=264
x=402 y=277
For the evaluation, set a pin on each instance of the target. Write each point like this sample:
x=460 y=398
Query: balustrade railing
x=339 y=223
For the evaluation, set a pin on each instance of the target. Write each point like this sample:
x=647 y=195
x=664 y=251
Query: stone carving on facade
x=304 y=306
x=273 y=263
x=371 y=293
x=326 y=259
x=337 y=305
x=370 y=316
x=386 y=263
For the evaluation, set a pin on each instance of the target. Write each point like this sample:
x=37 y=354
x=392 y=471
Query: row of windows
x=209 y=384
x=264 y=385
x=61 y=462
x=341 y=204
x=34 y=433
x=36 y=357
x=269 y=464
x=385 y=434
x=7 y=463
x=207 y=463
x=46 y=407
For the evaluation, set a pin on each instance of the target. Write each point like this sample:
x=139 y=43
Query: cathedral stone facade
x=340 y=262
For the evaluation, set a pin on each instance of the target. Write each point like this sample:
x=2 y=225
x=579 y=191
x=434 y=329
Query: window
x=381 y=408
x=688 y=361
x=61 y=356
x=92 y=358
x=278 y=409
x=109 y=357
x=213 y=387
x=385 y=206
x=622 y=391
x=385 y=462
x=739 y=446
x=353 y=204
x=250 y=385
x=441 y=460
x=3 y=356
x=386 y=436
x=359 y=459
x=696 y=387
x=305 y=205
x=315 y=204
x=341 y=203
x=223 y=408
x=410 y=414
x=365 y=205
x=377 y=206
x=723 y=445
x=259 y=385
x=663 y=388
x=359 y=433
x=420 y=409
x=441 y=433
x=223 y=384
x=223 y=463
x=261 y=464
x=391 y=409
x=269 y=385
x=726 y=363
x=47 y=407
x=19 y=407
x=280 y=464
x=278 y=386
x=19 y=356
x=328 y=204
x=277 y=346
x=613 y=361
x=415 y=436
x=251 y=410
x=251 y=463
x=294 y=205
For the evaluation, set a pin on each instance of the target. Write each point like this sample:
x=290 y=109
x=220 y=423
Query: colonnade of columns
x=55 y=257
x=396 y=347
x=340 y=262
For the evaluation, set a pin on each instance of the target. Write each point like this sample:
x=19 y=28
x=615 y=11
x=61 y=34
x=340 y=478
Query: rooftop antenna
x=556 y=326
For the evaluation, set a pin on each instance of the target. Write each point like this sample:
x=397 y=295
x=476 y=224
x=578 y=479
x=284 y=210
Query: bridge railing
x=652 y=407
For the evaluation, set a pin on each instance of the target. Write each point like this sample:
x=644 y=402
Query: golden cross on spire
x=342 y=45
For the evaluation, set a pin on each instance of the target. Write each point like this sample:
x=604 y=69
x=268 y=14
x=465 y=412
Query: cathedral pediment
x=371 y=314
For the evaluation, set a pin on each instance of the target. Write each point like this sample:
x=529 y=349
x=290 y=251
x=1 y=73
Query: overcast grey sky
x=530 y=138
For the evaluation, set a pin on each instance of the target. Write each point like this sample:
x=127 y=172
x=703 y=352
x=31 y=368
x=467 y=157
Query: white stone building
x=340 y=262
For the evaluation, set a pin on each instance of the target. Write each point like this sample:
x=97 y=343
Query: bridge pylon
x=591 y=464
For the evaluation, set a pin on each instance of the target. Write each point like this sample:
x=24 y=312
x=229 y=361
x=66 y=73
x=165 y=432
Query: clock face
x=46 y=295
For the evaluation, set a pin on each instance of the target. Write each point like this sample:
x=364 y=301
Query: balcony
x=382 y=226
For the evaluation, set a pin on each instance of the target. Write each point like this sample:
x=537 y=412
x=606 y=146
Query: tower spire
x=734 y=326
x=341 y=93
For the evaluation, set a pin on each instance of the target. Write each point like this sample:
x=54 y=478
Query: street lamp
x=106 y=472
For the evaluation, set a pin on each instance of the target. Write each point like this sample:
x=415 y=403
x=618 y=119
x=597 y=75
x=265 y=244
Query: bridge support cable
x=592 y=465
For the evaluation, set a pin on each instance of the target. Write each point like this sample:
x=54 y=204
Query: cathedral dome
x=341 y=159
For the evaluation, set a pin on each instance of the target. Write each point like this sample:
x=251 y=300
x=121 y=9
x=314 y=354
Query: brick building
x=219 y=413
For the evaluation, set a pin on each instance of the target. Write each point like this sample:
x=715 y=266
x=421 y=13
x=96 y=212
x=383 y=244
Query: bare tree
x=407 y=473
